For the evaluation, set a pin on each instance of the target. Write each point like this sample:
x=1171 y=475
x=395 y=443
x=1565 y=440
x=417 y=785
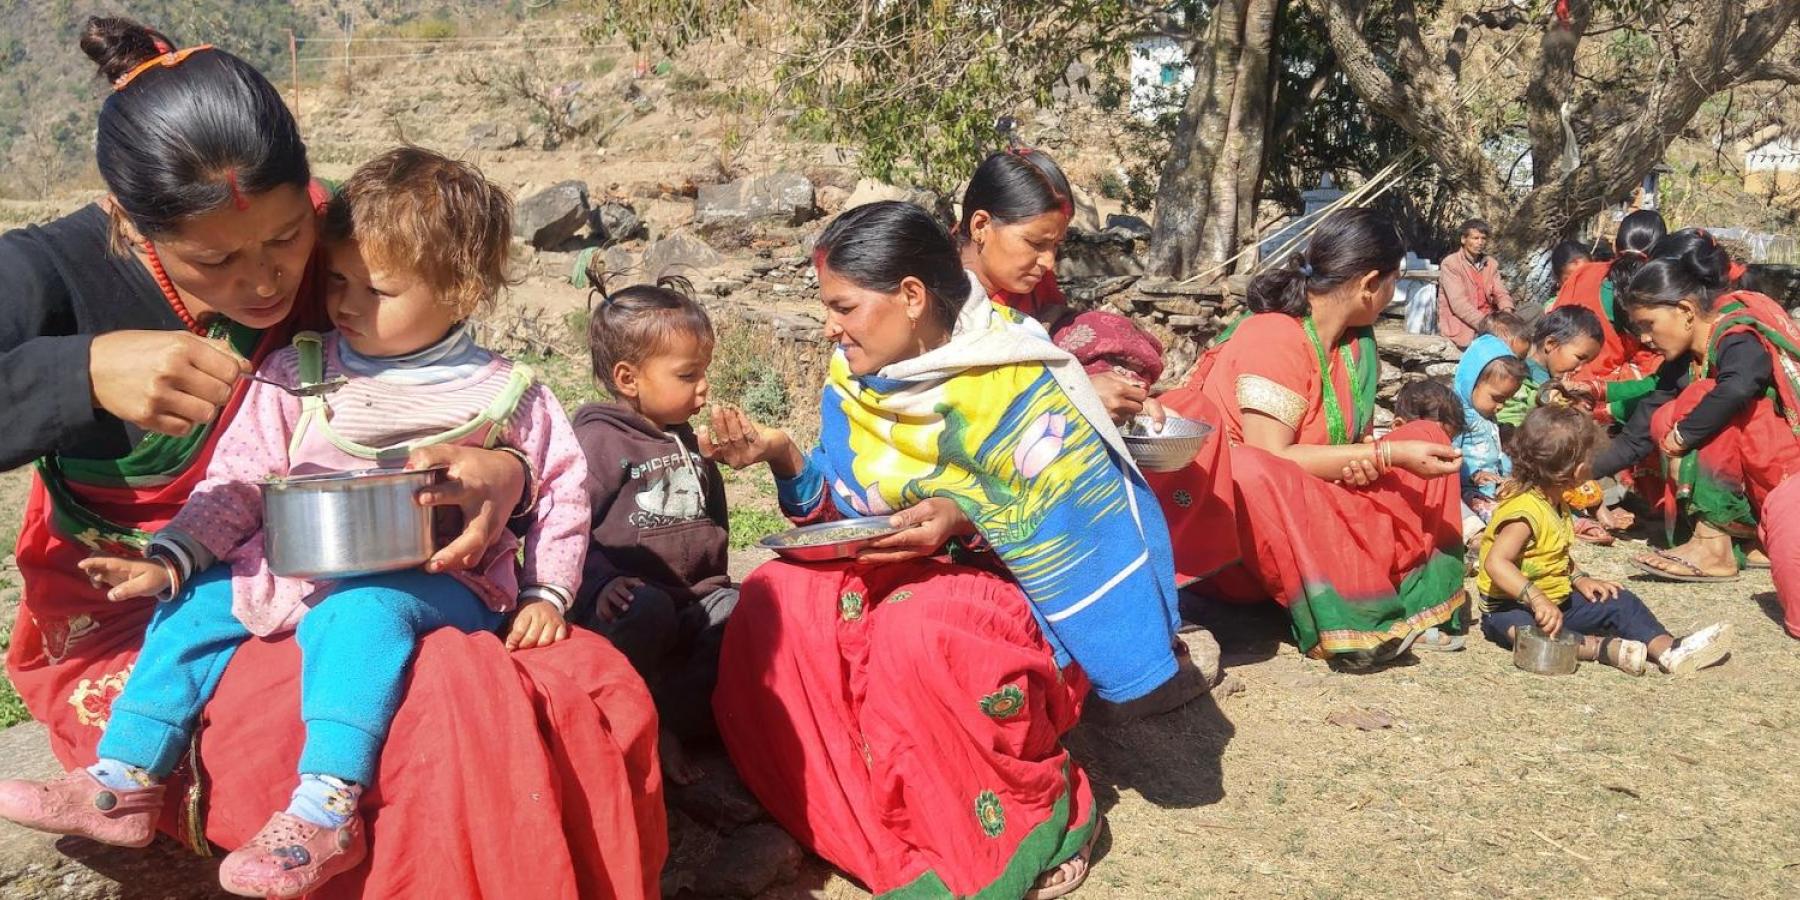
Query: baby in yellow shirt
x=1527 y=576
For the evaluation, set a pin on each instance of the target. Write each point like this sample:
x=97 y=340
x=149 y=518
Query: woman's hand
x=125 y=578
x=485 y=484
x=1671 y=443
x=1425 y=459
x=929 y=525
x=164 y=381
x=1125 y=398
x=735 y=439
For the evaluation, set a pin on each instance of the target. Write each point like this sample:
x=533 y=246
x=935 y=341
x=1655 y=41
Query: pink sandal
x=291 y=857
x=75 y=803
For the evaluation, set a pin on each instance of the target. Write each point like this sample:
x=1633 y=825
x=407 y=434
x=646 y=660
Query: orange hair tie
x=167 y=60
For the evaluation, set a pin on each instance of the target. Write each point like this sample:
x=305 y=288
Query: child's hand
x=126 y=578
x=1597 y=590
x=1485 y=478
x=615 y=598
x=536 y=624
x=735 y=439
x=1548 y=615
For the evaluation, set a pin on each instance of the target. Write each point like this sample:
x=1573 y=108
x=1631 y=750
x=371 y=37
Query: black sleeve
x=1745 y=371
x=44 y=385
x=1633 y=443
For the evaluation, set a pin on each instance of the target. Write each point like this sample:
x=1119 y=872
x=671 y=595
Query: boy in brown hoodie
x=655 y=582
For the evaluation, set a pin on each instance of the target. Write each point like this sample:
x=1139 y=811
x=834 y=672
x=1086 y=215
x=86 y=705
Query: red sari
x=1759 y=451
x=1101 y=341
x=1622 y=356
x=904 y=722
x=1354 y=567
x=551 y=749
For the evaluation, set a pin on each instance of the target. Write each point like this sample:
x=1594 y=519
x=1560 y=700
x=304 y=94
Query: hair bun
x=119 y=45
x=1707 y=261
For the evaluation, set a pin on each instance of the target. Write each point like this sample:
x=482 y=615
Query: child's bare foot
x=675 y=763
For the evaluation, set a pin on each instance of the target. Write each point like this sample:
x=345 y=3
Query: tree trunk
x=1241 y=162
x=1185 y=189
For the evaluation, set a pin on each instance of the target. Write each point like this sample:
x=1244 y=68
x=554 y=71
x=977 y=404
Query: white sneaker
x=1703 y=648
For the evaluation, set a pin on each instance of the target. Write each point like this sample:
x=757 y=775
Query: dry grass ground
x=1490 y=782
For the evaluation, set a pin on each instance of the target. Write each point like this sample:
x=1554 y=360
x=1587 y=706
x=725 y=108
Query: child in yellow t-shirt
x=1527 y=575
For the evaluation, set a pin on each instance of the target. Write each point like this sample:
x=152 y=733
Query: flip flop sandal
x=1439 y=641
x=1692 y=576
x=1592 y=532
x=1085 y=854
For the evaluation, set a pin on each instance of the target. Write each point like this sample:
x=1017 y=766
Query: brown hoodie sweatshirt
x=658 y=506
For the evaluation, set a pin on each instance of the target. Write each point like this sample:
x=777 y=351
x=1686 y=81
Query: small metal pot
x=344 y=524
x=1535 y=651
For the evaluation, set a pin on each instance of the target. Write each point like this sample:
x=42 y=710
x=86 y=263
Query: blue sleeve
x=801 y=495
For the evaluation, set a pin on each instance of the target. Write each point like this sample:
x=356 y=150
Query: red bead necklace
x=169 y=294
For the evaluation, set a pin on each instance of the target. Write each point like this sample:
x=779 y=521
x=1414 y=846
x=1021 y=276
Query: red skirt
x=1354 y=566
x=904 y=722
x=526 y=775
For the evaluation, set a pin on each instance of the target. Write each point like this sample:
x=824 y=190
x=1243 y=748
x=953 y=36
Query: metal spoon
x=307 y=390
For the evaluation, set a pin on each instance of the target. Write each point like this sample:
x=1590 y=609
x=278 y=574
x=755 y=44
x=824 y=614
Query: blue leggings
x=355 y=646
x=1624 y=616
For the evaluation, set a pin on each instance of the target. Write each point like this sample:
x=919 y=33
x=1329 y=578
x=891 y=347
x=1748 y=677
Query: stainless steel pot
x=343 y=524
x=1534 y=651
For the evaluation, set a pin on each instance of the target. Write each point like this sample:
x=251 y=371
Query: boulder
x=492 y=136
x=551 y=216
x=785 y=197
x=870 y=191
x=1133 y=227
x=681 y=253
x=833 y=200
x=616 y=222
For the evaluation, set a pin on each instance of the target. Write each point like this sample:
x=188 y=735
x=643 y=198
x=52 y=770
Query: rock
x=551 y=216
x=616 y=222
x=491 y=136
x=1087 y=215
x=1414 y=351
x=718 y=800
x=679 y=254
x=797 y=327
x=1133 y=227
x=784 y=197
x=1091 y=255
x=1203 y=649
x=870 y=191
x=748 y=862
x=832 y=199
x=1440 y=370
x=619 y=260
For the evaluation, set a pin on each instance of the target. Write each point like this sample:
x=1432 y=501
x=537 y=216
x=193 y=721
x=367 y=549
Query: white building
x=1160 y=76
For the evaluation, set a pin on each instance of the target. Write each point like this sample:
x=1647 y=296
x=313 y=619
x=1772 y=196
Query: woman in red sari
x=1015 y=216
x=1734 y=427
x=1358 y=539
x=1624 y=370
x=902 y=713
x=123 y=342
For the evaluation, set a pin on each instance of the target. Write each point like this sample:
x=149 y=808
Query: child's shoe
x=1626 y=656
x=75 y=803
x=291 y=857
x=1703 y=648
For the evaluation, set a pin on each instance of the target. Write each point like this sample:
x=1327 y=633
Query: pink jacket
x=224 y=512
x=1467 y=294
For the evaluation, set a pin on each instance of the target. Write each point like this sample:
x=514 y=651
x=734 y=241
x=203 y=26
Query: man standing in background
x=1469 y=286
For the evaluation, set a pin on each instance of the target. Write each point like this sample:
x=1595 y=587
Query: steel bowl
x=1536 y=652
x=344 y=524
x=1168 y=450
x=821 y=543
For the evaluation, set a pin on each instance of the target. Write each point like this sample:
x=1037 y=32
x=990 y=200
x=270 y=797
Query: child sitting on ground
x=1488 y=375
x=1527 y=575
x=1430 y=400
x=417 y=243
x=656 y=581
